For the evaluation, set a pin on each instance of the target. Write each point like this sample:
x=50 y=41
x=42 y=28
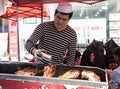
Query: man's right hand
x=40 y=54
x=37 y=54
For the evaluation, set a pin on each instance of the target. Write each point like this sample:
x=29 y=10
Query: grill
x=8 y=69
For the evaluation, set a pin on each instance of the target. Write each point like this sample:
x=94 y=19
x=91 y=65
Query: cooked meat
x=49 y=70
x=70 y=74
x=90 y=75
x=29 y=71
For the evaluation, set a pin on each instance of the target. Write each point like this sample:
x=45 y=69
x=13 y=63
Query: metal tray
x=7 y=70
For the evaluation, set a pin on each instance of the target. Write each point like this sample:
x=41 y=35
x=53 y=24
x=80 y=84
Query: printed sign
x=114 y=17
x=114 y=25
x=13 y=40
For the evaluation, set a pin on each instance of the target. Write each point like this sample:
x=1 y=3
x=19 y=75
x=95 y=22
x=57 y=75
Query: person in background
x=55 y=37
x=113 y=65
x=115 y=79
x=88 y=58
x=77 y=57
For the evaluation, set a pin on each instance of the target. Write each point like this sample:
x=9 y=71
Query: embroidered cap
x=64 y=7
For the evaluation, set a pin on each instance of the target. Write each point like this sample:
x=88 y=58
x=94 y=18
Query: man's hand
x=40 y=54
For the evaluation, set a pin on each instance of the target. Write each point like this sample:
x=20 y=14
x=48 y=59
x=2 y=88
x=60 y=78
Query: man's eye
x=59 y=17
x=64 y=19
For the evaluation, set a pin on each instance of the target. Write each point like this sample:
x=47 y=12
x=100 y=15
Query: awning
x=20 y=2
x=36 y=8
x=27 y=11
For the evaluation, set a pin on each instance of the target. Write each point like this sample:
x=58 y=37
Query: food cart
x=9 y=80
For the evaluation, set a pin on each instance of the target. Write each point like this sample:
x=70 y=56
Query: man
x=115 y=80
x=55 y=37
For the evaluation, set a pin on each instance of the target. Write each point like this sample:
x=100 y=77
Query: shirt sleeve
x=34 y=38
x=71 y=51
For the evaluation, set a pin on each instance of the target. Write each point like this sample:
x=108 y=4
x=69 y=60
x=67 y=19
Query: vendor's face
x=61 y=21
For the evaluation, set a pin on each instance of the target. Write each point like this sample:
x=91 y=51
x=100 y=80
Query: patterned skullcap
x=64 y=7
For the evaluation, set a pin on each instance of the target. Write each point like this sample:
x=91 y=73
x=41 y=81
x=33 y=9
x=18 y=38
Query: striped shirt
x=54 y=42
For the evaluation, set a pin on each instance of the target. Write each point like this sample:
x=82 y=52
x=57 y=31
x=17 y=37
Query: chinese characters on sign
x=13 y=41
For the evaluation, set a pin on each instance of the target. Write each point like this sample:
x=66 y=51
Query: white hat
x=64 y=7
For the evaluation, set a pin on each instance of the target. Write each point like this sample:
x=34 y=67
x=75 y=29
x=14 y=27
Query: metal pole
x=17 y=31
x=107 y=25
x=41 y=12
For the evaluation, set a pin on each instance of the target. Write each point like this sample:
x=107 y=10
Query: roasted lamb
x=90 y=75
x=70 y=74
x=49 y=70
x=28 y=71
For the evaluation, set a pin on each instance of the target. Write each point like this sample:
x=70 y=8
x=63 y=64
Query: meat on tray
x=29 y=71
x=90 y=75
x=70 y=74
x=49 y=70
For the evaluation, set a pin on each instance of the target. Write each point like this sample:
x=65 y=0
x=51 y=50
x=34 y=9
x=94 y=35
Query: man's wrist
x=32 y=50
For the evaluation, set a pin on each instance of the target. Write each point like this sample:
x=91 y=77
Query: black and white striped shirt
x=55 y=42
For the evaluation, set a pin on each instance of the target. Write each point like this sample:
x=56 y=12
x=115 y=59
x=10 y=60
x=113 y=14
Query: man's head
x=64 y=8
x=62 y=15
